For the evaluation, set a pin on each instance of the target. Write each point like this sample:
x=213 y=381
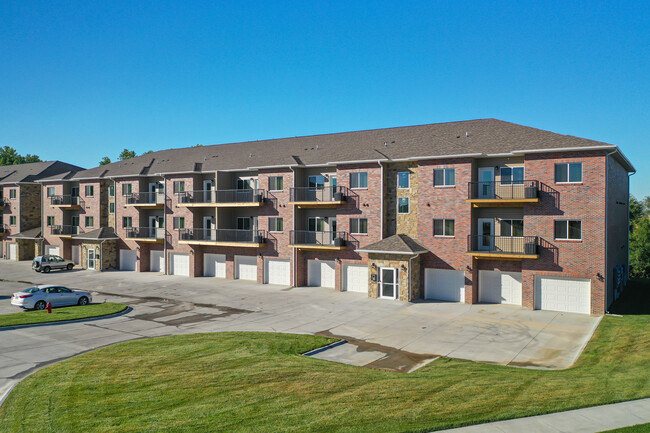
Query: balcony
x=222 y=198
x=68 y=202
x=503 y=247
x=308 y=240
x=512 y=193
x=65 y=231
x=146 y=234
x=4 y=230
x=146 y=200
x=223 y=237
x=324 y=197
x=3 y=202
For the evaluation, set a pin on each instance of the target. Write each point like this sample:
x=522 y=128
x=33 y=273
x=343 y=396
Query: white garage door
x=572 y=295
x=321 y=273
x=496 y=287
x=128 y=258
x=277 y=271
x=11 y=252
x=179 y=264
x=51 y=250
x=444 y=285
x=214 y=265
x=157 y=261
x=356 y=278
x=246 y=268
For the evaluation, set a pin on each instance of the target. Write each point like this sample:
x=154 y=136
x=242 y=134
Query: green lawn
x=640 y=428
x=259 y=382
x=60 y=314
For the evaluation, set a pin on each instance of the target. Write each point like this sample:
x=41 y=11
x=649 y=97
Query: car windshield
x=37 y=259
x=31 y=290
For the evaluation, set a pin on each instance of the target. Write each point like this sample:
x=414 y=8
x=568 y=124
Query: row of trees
x=9 y=156
x=125 y=154
x=639 y=238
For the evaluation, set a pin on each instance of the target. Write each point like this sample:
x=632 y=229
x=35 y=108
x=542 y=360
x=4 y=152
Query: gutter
x=295 y=250
x=381 y=202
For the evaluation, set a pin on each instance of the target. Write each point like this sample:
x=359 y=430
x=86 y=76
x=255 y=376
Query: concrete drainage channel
x=361 y=353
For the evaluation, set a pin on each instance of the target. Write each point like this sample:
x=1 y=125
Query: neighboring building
x=20 y=206
x=474 y=211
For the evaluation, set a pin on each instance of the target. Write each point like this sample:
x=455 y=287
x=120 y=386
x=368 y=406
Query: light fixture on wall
x=403 y=267
x=373 y=267
x=599 y=276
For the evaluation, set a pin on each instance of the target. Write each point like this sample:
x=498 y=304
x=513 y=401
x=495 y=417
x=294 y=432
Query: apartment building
x=473 y=211
x=20 y=206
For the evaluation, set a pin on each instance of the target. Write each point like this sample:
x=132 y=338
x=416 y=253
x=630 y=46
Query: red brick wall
x=618 y=192
x=12 y=208
x=57 y=213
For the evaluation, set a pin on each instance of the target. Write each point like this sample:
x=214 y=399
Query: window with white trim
x=179 y=223
x=403 y=180
x=126 y=188
x=50 y=191
x=359 y=180
x=443 y=227
x=179 y=186
x=512 y=175
x=90 y=221
x=50 y=220
x=568 y=172
x=512 y=228
x=444 y=177
x=276 y=224
x=12 y=220
x=276 y=183
x=127 y=222
x=403 y=205
x=568 y=229
x=111 y=190
x=12 y=193
x=111 y=207
x=89 y=190
x=359 y=226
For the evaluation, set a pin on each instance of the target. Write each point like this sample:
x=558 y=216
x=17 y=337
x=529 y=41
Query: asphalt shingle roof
x=99 y=234
x=397 y=244
x=34 y=171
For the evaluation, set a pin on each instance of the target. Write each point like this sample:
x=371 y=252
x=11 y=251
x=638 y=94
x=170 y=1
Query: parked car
x=47 y=263
x=37 y=297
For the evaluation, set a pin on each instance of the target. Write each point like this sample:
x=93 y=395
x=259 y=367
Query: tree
x=640 y=249
x=148 y=152
x=105 y=160
x=126 y=154
x=9 y=156
x=636 y=211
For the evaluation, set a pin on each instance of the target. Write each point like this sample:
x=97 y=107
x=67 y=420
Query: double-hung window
x=444 y=177
x=12 y=220
x=403 y=180
x=50 y=220
x=403 y=205
x=276 y=224
x=179 y=186
x=127 y=222
x=512 y=228
x=111 y=207
x=89 y=190
x=443 y=227
x=179 y=223
x=568 y=172
x=276 y=183
x=126 y=188
x=568 y=229
x=359 y=180
x=90 y=221
x=50 y=191
x=12 y=193
x=111 y=190
x=359 y=226
x=512 y=175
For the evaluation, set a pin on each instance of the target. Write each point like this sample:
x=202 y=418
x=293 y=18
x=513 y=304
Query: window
x=89 y=190
x=245 y=183
x=403 y=205
x=443 y=227
x=570 y=172
x=12 y=193
x=359 y=226
x=512 y=228
x=12 y=220
x=179 y=186
x=359 y=180
x=111 y=207
x=50 y=220
x=316 y=182
x=127 y=222
x=74 y=191
x=568 y=229
x=244 y=223
x=90 y=221
x=126 y=188
x=316 y=224
x=276 y=183
x=276 y=224
x=333 y=180
x=444 y=177
x=179 y=222
x=74 y=221
x=111 y=190
x=50 y=191
x=403 y=180
x=512 y=176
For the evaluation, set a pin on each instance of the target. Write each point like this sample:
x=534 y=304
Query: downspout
x=165 y=222
x=381 y=206
x=295 y=252
x=410 y=273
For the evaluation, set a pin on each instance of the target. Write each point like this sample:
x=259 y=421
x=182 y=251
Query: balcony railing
x=305 y=237
x=3 y=202
x=66 y=200
x=323 y=194
x=145 y=233
x=3 y=230
x=520 y=245
x=65 y=230
x=504 y=190
x=223 y=196
x=145 y=198
x=223 y=235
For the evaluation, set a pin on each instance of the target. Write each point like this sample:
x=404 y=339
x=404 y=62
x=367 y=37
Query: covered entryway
x=444 y=285
x=497 y=287
x=128 y=260
x=355 y=278
x=571 y=295
x=52 y=250
x=321 y=273
x=156 y=261
x=214 y=265
x=246 y=268
x=12 y=251
x=179 y=264
x=277 y=271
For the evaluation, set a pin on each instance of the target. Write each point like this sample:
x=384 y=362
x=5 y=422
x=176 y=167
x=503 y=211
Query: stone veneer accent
x=30 y=206
x=107 y=252
x=395 y=261
x=400 y=223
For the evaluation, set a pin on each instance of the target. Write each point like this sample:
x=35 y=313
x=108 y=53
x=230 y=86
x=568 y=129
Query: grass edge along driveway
x=61 y=314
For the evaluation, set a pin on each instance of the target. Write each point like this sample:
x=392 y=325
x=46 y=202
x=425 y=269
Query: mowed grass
x=639 y=428
x=259 y=382
x=60 y=314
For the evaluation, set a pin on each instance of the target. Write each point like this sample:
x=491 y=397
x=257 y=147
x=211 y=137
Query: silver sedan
x=37 y=297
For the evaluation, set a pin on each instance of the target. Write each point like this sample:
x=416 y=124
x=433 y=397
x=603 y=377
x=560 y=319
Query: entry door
x=207 y=191
x=155 y=225
x=90 y=259
x=388 y=283
x=486 y=182
x=315 y=227
x=11 y=252
x=208 y=227
x=332 y=229
x=485 y=233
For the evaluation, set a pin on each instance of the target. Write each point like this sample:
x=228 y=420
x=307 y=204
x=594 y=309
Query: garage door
x=214 y=265
x=277 y=271
x=355 y=278
x=496 y=287
x=321 y=273
x=572 y=295
x=246 y=268
x=51 y=250
x=179 y=264
x=128 y=259
x=157 y=261
x=444 y=285
x=11 y=252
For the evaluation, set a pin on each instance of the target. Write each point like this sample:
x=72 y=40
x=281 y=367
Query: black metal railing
x=503 y=244
x=145 y=233
x=223 y=235
x=504 y=190
x=4 y=229
x=323 y=194
x=3 y=202
x=145 y=198
x=223 y=196
x=65 y=230
x=66 y=200
x=306 y=237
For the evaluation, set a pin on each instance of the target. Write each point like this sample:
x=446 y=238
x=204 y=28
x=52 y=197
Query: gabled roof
x=100 y=234
x=396 y=244
x=34 y=233
x=18 y=173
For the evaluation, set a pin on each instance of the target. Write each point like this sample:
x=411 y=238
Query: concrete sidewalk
x=589 y=420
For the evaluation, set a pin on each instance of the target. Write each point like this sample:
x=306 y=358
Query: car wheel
x=46 y=269
x=40 y=305
x=70 y=266
x=83 y=301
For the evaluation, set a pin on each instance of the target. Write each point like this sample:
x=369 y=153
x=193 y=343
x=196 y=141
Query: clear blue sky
x=79 y=80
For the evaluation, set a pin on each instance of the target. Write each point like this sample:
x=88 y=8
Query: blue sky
x=79 y=80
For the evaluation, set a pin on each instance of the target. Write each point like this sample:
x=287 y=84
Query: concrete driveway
x=166 y=305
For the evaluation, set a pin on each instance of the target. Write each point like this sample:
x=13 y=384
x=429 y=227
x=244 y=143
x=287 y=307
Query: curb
x=63 y=322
